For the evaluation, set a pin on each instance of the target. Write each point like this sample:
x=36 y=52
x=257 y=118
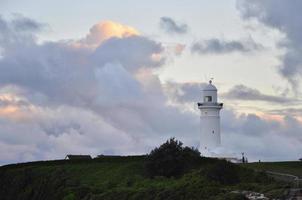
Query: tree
x=171 y=159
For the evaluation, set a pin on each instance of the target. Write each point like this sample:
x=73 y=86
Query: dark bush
x=223 y=172
x=171 y=159
x=231 y=196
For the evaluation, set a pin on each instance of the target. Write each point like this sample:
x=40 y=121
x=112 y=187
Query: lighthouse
x=209 y=118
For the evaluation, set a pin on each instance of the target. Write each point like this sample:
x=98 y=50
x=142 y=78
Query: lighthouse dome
x=210 y=87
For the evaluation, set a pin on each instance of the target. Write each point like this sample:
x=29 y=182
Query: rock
x=251 y=195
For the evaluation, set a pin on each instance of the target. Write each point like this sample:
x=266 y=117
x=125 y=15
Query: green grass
x=121 y=178
x=290 y=167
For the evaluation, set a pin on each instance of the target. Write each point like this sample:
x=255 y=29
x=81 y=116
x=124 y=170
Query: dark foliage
x=28 y=183
x=122 y=177
x=223 y=172
x=171 y=159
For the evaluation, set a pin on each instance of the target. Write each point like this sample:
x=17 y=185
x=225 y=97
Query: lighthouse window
x=213 y=132
x=208 y=98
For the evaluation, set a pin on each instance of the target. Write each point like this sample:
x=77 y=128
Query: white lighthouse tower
x=209 y=119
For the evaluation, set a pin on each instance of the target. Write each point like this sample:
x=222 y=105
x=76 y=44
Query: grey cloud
x=110 y=82
x=288 y=111
x=261 y=138
x=242 y=92
x=61 y=128
x=133 y=52
x=190 y=92
x=19 y=29
x=248 y=124
x=54 y=133
x=21 y=23
x=284 y=16
x=50 y=69
x=184 y=92
x=65 y=74
x=12 y=102
x=170 y=26
x=217 y=46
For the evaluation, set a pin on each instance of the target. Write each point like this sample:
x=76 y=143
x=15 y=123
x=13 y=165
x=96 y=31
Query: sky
x=121 y=77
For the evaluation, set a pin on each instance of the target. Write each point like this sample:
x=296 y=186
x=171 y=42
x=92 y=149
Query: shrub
x=171 y=159
x=223 y=172
x=231 y=196
x=70 y=196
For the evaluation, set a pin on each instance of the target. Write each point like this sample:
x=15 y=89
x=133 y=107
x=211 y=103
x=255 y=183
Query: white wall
x=210 y=129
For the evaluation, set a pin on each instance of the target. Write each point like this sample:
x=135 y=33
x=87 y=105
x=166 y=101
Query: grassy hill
x=290 y=167
x=124 y=178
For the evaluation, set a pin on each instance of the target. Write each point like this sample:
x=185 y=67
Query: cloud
x=57 y=98
x=133 y=52
x=96 y=96
x=7 y=99
x=184 y=92
x=179 y=48
x=51 y=133
x=60 y=73
x=172 y=27
x=285 y=17
x=288 y=111
x=105 y=30
x=20 y=30
x=217 y=46
x=242 y=92
x=251 y=134
x=21 y=23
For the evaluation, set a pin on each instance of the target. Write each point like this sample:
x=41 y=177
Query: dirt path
x=295 y=193
x=295 y=180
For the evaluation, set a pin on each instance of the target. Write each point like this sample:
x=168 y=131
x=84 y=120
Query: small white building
x=209 y=119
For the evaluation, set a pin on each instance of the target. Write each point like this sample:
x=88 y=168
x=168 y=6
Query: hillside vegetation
x=125 y=178
x=290 y=167
x=169 y=172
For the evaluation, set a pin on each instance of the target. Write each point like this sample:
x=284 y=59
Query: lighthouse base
x=221 y=153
